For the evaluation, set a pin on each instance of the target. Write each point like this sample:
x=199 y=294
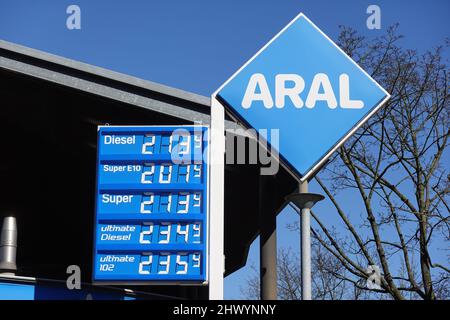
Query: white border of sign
x=216 y=200
x=320 y=162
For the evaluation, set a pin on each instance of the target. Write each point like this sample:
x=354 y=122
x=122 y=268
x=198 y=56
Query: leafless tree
x=326 y=285
x=395 y=170
x=388 y=186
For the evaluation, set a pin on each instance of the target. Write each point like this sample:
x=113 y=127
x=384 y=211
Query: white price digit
x=185 y=172
x=165 y=233
x=145 y=263
x=164 y=263
x=196 y=232
x=165 y=200
x=184 y=203
x=184 y=232
x=147 y=175
x=184 y=142
x=197 y=197
x=198 y=140
x=146 y=232
x=147 y=145
x=170 y=144
x=181 y=263
x=165 y=177
x=197 y=170
x=148 y=202
x=196 y=259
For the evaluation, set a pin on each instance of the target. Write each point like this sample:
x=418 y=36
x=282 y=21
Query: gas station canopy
x=51 y=107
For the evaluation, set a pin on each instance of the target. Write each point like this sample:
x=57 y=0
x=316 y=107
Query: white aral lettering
x=314 y=95
x=257 y=80
x=292 y=85
x=292 y=92
x=346 y=103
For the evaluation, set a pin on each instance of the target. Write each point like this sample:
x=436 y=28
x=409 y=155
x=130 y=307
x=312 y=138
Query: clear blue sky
x=196 y=45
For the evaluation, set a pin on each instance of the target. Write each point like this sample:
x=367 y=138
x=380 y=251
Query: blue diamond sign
x=304 y=85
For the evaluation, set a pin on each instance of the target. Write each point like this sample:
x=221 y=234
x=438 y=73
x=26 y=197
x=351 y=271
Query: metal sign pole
x=267 y=239
x=305 y=246
x=304 y=201
x=8 y=246
x=216 y=201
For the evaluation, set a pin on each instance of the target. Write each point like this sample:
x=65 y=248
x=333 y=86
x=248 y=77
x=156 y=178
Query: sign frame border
x=322 y=161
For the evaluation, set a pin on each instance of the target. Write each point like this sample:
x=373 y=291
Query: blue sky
x=196 y=45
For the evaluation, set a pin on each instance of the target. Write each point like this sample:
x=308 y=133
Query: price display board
x=151 y=220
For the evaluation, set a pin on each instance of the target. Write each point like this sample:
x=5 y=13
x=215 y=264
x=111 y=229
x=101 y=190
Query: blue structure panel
x=150 y=266
x=151 y=204
x=163 y=172
x=149 y=233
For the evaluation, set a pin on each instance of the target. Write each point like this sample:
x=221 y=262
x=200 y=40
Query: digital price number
x=151 y=204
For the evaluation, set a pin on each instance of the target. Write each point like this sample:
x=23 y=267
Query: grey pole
x=8 y=246
x=305 y=245
x=304 y=201
x=268 y=240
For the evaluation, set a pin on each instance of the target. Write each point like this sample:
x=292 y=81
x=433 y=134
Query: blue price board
x=151 y=214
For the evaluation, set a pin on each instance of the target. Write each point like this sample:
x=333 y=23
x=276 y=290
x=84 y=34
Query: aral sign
x=304 y=85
